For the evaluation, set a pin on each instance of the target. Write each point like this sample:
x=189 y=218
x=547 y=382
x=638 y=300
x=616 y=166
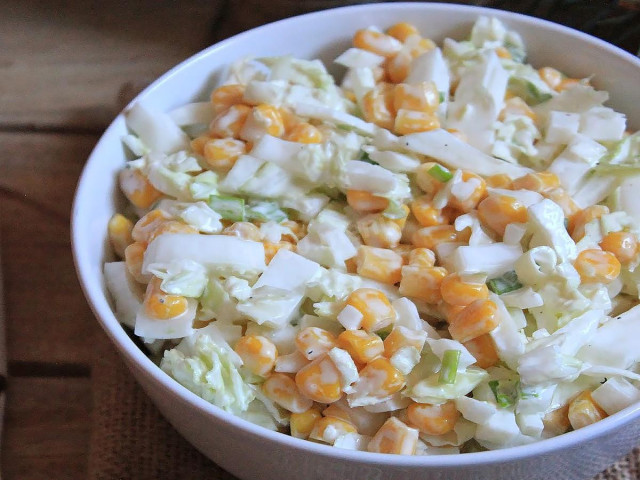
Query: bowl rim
x=101 y=309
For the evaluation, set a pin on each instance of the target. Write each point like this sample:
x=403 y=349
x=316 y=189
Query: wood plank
x=65 y=64
x=47 y=317
x=47 y=429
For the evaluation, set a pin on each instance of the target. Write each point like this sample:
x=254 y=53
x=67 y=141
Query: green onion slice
x=394 y=211
x=504 y=392
x=440 y=173
x=265 y=211
x=449 y=369
x=229 y=208
x=504 y=284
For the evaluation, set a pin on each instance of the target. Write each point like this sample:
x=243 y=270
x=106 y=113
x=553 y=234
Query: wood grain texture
x=47 y=317
x=73 y=65
x=47 y=429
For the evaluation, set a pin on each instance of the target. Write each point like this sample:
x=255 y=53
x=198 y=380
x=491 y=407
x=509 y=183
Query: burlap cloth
x=131 y=440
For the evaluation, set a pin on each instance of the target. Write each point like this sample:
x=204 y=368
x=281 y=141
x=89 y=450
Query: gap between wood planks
x=19 y=368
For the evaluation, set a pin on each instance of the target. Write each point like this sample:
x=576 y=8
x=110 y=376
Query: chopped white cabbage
x=454 y=153
x=359 y=58
x=126 y=292
x=546 y=221
x=493 y=259
x=615 y=394
x=156 y=129
x=478 y=100
x=177 y=327
x=206 y=369
x=562 y=127
x=198 y=113
x=214 y=252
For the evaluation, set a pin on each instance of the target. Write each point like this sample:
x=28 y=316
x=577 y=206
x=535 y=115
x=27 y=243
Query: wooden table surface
x=66 y=69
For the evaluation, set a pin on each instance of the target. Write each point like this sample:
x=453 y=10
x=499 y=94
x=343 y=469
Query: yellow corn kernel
x=418 y=45
x=431 y=237
x=380 y=264
x=172 y=226
x=402 y=221
x=426 y=214
x=362 y=346
x=427 y=182
x=283 y=390
x=433 y=419
x=350 y=265
x=401 y=337
x=404 y=251
x=384 y=378
x=225 y=96
x=499 y=180
x=337 y=411
x=564 y=201
x=133 y=258
x=297 y=230
x=366 y=202
x=421 y=97
x=457 y=133
x=244 y=230
x=221 y=153
x=422 y=282
x=289 y=119
x=502 y=52
x=460 y=291
x=314 y=342
x=516 y=107
x=550 y=76
x=624 y=245
x=376 y=42
x=498 y=211
x=470 y=200
x=377 y=312
x=422 y=257
x=394 y=437
x=145 y=226
x=398 y=66
x=568 y=83
x=411 y=121
x=483 y=350
x=198 y=143
x=377 y=106
x=540 y=182
x=402 y=31
x=161 y=305
x=270 y=249
x=578 y=220
x=137 y=188
x=301 y=424
x=379 y=231
x=449 y=311
x=597 y=266
x=119 y=228
x=476 y=319
x=320 y=381
x=583 y=411
x=229 y=122
x=263 y=119
x=556 y=422
x=328 y=429
x=258 y=354
x=304 y=133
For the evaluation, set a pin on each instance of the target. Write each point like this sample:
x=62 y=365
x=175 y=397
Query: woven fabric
x=131 y=441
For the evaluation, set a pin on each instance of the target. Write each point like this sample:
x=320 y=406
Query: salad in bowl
x=432 y=251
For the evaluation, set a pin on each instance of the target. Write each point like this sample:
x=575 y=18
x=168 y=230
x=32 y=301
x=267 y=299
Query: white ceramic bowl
x=250 y=451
